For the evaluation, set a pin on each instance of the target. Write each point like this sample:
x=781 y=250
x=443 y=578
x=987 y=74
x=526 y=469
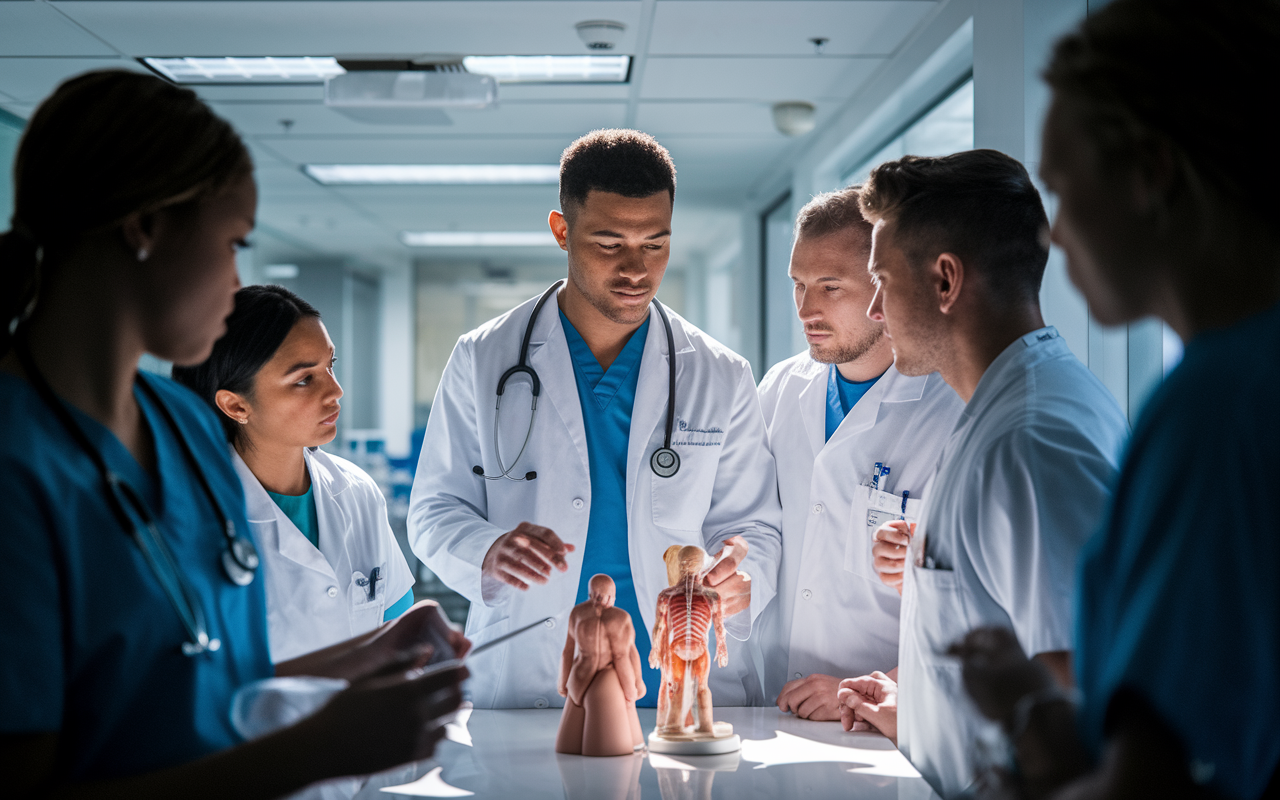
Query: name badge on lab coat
x=881 y=507
x=885 y=507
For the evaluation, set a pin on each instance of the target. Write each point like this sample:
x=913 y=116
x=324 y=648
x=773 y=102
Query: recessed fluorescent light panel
x=280 y=272
x=478 y=238
x=551 y=69
x=447 y=174
x=233 y=69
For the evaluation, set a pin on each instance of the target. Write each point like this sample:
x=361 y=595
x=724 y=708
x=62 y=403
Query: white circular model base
x=695 y=747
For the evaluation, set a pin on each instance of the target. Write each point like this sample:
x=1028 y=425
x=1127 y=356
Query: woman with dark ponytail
x=132 y=613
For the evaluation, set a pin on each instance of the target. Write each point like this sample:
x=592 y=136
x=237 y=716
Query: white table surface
x=511 y=754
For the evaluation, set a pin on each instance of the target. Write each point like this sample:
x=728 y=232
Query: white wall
x=395 y=396
x=1006 y=44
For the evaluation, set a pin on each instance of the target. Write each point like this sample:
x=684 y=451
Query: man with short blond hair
x=855 y=442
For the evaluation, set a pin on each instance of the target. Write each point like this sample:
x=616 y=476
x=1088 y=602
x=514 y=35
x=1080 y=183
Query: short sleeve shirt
x=1182 y=584
x=90 y=646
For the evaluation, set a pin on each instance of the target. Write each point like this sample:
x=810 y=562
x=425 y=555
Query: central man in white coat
x=856 y=443
x=516 y=509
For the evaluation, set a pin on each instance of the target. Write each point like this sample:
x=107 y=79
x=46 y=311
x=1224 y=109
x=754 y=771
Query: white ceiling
x=705 y=76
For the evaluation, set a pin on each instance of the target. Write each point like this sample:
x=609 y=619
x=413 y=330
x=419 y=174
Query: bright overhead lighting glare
x=280 y=272
x=233 y=69
x=551 y=69
x=478 y=239
x=448 y=174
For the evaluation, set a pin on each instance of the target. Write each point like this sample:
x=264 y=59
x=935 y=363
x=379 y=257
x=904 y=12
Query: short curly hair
x=615 y=160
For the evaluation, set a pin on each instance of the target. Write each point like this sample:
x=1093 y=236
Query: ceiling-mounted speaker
x=794 y=118
x=600 y=34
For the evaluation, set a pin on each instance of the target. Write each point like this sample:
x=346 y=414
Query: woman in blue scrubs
x=122 y=642
x=1166 y=172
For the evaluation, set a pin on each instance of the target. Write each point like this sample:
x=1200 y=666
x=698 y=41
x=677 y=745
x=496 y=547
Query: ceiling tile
x=763 y=79
x=522 y=92
x=36 y=29
x=471 y=208
x=418 y=150
x=308 y=119
x=783 y=27
x=712 y=167
x=707 y=118
x=30 y=80
x=307 y=27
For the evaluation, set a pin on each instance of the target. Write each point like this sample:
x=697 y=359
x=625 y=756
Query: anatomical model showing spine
x=686 y=613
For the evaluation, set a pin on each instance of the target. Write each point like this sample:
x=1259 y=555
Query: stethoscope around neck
x=664 y=462
x=239 y=557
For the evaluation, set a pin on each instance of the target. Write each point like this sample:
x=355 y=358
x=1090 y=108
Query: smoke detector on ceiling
x=600 y=34
x=793 y=119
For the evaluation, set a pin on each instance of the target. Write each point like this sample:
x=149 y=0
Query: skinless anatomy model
x=686 y=613
x=600 y=678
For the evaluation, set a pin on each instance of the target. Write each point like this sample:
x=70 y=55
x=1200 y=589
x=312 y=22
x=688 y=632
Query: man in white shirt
x=856 y=443
x=958 y=253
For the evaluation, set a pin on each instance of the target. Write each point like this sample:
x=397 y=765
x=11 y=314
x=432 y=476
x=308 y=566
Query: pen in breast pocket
x=905 y=495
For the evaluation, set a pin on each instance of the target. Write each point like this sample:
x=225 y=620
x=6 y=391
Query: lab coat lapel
x=650 y=409
x=549 y=356
x=893 y=387
x=266 y=519
x=327 y=487
x=813 y=406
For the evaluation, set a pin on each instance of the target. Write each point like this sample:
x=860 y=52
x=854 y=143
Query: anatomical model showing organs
x=686 y=612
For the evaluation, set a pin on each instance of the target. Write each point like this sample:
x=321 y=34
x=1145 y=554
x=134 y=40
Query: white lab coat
x=1022 y=483
x=726 y=486
x=316 y=598
x=832 y=614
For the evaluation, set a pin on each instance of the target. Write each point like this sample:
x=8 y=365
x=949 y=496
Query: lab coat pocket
x=366 y=612
x=871 y=509
x=937 y=615
x=681 y=502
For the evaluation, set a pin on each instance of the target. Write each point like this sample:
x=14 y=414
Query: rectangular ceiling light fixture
x=478 y=239
x=234 y=69
x=432 y=174
x=551 y=69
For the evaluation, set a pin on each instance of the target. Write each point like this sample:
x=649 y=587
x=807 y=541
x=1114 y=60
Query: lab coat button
x=799 y=675
x=541 y=702
x=550 y=623
x=578 y=504
x=333 y=591
x=817 y=508
x=807 y=594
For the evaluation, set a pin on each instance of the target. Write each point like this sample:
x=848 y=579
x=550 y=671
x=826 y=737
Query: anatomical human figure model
x=686 y=612
x=600 y=678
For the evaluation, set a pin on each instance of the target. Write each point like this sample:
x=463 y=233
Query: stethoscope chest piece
x=664 y=462
x=240 y=561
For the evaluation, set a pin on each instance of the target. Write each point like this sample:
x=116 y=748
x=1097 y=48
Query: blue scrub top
x=90 y=646
x=607 y=398
x=1180 y=586
x=842 y=396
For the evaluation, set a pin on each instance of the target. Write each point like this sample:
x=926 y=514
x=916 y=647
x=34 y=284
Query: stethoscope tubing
x=239 y=558
x=664 y=461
